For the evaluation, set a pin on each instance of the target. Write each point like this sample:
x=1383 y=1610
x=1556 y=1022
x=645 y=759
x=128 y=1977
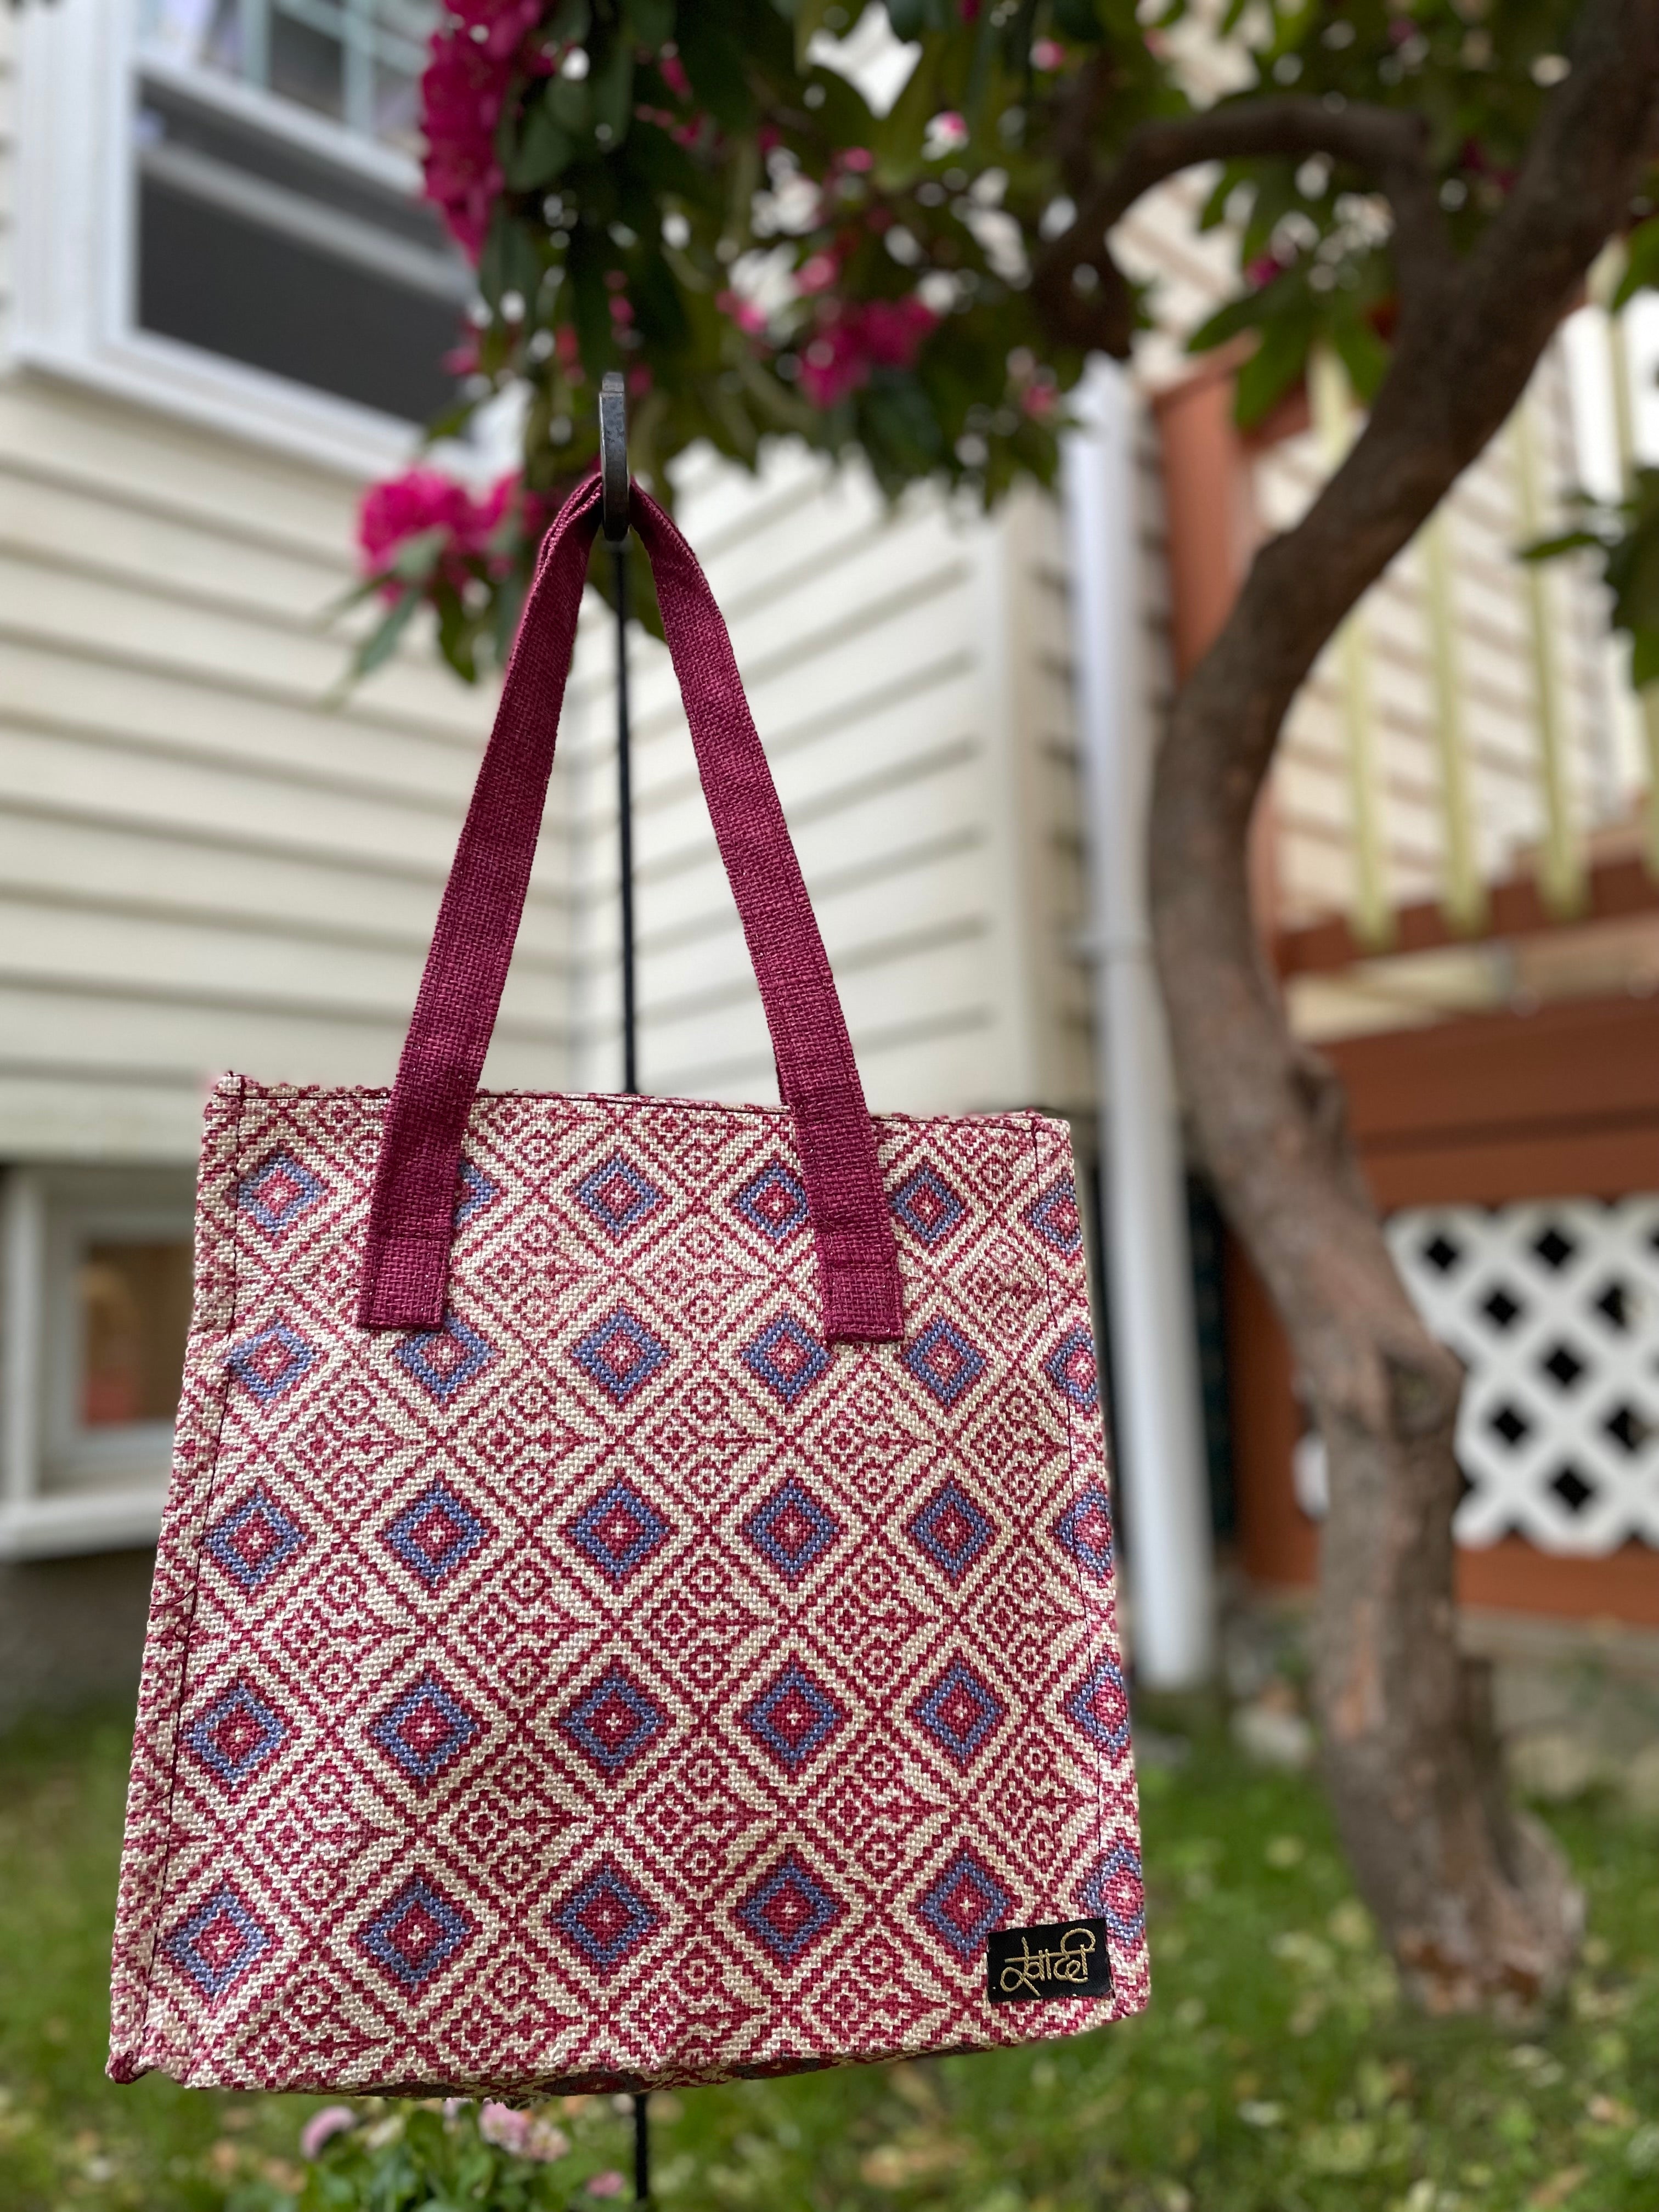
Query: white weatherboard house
x=221 y=307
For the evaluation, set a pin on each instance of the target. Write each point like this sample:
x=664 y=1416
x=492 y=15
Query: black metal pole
x=625 y=839
x=642 y=2147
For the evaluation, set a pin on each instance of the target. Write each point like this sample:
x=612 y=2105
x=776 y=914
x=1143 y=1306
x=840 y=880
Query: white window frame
x=79 y=64
x=64 y=1487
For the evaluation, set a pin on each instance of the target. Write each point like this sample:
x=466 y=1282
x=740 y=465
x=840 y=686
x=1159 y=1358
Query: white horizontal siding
x=207 y=857
x=875 y=647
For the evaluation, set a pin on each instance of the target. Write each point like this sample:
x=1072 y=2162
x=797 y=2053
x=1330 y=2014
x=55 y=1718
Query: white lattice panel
x=1554 y=1307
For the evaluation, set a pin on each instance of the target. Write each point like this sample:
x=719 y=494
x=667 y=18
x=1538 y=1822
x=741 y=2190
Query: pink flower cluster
x=407 y=506
x=474 y=57
x=422 y=499
x=854 y=337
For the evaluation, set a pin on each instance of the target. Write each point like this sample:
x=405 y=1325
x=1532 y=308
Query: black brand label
x=1066 y=1959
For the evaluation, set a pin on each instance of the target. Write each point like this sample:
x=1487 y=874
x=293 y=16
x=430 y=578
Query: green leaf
x=713 y=62
x=543 y=148
x=914 y=18
x=417 y=556
x=1363 y=354
x=1645 y=658
x=382 y=641
x=1076 y=19
x=569 y=103
x=652 y=22
x=1552 y=549
x=1277 y=363
x=612 y=89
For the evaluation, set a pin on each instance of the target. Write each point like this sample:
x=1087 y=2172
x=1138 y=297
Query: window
x=96 y=1313
x=248 y=182
x=358 y=62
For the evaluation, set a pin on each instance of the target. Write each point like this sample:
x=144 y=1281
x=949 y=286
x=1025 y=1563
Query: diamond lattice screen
x=1554 y=1307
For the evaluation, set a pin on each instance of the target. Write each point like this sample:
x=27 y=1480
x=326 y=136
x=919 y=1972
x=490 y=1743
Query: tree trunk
x=1474 y=1898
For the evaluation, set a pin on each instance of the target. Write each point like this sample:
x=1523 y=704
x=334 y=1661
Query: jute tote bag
x=635 y=1599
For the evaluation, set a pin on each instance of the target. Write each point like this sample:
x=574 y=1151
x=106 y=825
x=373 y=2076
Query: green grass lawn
x=1276 y=2070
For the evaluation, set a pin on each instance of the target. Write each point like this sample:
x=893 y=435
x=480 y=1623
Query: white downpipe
x=1157 y=1410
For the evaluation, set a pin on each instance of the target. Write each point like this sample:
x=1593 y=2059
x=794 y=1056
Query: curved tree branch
x=1388 y=145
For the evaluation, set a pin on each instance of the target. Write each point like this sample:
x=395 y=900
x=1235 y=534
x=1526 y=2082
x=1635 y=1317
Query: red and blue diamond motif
x=1084 y=1530
x=928 y=1206
x=614 y=1722
x=235 y=1736
x=953 y=1529
x=618 y=1532
x=789 y=1909
x=1113 y=1888
x=621 y=1354
x=960 y=1712
x=435 y=1533
x=477 y=1192
x=255 y=1540
x=1100 y=1706
x=964 y=1903
x=792 y=1529
x=416 y=1933
x=222 y=1940
x=277 y=1192
x=775 y=1202
x=1055 y=1218
x=786 y=1357
x=618 y=1196
x=944 y=1360
x=272 y=1362
x=425 y=1730
x=444 y=1360
x=1071 y=1369
x=606 y=1919
x=793 y=1717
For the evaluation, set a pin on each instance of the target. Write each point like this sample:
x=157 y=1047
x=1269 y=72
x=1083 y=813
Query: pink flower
x=422 y=499
x=1048 y=54
x=834 y=365
x=815 y=274
x=673 y=75
x=1262 y=270
x=745 y=314
x=945 y=133
x=608 y=2183
x=474 y=57
x=893 y=330
x=858 y=159
x=501 y=2125
x=323 y=2127
x=852 y=339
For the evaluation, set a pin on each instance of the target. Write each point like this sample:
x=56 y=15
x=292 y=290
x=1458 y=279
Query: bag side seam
x=187 y=1632
x=1088 y=1607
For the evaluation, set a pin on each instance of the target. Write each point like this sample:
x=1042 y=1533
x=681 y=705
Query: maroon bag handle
x=412 y=1216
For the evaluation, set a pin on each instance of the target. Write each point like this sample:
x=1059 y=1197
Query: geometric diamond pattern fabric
x=620 y=1685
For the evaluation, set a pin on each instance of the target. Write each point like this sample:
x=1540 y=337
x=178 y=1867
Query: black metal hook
x=613 y=456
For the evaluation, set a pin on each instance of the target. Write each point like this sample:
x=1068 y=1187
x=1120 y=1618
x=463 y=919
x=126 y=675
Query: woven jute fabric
x=634 y=1603
x=620 y=1685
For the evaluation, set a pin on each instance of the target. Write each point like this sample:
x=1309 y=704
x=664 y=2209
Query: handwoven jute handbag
x=635 y=1599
